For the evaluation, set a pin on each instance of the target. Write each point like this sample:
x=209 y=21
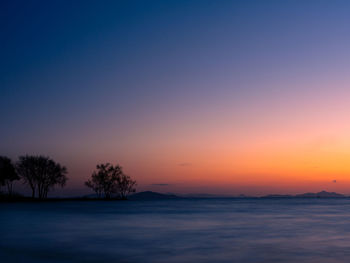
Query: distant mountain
x=278 y=196
x=207 y=196
x=149 y=195
x=322 y=194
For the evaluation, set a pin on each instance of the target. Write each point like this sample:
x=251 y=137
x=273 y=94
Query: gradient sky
x=222 y=97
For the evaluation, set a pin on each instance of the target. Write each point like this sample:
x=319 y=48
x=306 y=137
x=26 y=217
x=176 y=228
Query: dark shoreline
x=49 y=200
x=82 y=199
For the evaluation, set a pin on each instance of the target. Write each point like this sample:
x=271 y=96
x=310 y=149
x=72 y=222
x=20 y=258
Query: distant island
x=149 y=195
x=322 y=194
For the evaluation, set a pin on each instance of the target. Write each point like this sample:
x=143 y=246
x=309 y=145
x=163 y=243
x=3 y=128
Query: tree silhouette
x=8 y=173
x=110 y=180
x=104 y=180
x=41 y=173
x=125 y=185
x=95 y=184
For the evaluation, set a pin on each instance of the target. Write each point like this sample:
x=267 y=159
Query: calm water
x=304 y=230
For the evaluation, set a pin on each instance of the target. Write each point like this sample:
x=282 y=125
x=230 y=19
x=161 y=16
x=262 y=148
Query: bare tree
x=109 y=180
x=41 y=173
x=96 y=183
x=26 y=170
x=126 y=186
x=104 y=180
x=8 y=173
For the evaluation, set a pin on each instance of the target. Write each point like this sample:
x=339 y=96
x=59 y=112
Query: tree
x=110 y=180
x=125 y=185
x=104 y=180
x=41 y=173
x=8 y=173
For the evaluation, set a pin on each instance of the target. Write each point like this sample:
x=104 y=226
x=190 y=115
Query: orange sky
x=227 y=98
x=276 y=151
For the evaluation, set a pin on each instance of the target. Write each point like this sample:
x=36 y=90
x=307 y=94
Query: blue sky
x=110 y=80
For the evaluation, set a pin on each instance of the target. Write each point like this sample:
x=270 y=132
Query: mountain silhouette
x=322 y=194
x=149 y=195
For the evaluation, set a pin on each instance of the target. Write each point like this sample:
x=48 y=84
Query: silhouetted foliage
x=41 y=173
x=104 y=180
x=8 y=173
x=109 y=180
x=125 y=185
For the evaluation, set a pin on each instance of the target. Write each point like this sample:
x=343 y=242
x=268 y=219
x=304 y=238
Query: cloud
x=185 y=164
x=160 y=184
x=334 y=181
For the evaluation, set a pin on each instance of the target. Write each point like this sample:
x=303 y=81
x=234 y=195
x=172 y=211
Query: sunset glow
x=226 y=97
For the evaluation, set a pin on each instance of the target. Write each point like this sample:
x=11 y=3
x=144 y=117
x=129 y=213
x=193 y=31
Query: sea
x=180 y=230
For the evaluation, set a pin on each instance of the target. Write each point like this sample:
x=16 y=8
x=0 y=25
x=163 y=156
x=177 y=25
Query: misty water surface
x=203 y=230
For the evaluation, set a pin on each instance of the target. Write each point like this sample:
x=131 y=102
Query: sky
x=221 y=97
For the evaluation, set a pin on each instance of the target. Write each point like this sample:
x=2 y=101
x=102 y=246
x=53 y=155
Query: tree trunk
x=9 y=188
x=40 y=191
